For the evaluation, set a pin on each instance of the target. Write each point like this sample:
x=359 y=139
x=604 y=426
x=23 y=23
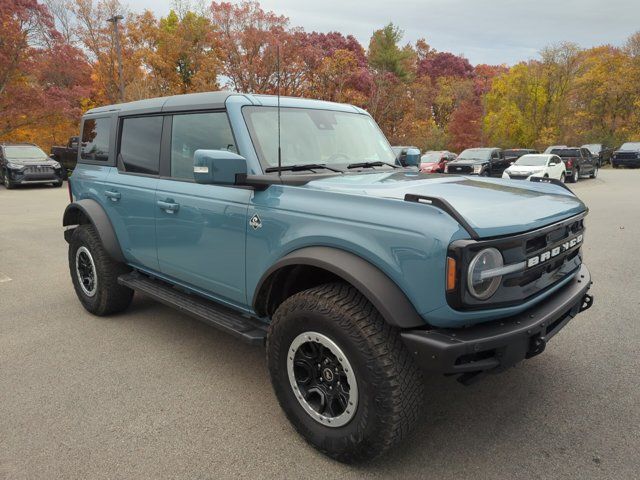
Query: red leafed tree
x=465 y=125
x=42 y=79
x=444 y=64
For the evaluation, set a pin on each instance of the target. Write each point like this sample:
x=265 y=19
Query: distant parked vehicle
x=434 y=161
x=66 y=155
x=479 y=161
x=601 y=151
x=407 y=156
x=512 y=154
x=554 y=147
x=536 y=165
x=25 y=163
x=627 y=156
x=578 y=161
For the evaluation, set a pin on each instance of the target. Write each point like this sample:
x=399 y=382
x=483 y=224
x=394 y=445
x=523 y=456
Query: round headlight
x=480 y=282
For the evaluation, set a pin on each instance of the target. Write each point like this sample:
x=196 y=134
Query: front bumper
x=495 y=346
x=626 y=162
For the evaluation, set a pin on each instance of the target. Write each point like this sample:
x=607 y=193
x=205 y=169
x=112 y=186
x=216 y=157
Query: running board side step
x=247 y=329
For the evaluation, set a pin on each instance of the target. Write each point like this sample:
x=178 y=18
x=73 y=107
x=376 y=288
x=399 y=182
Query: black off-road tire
x=58 y=184
x=109 y=296
x=8 y=184
x=390 y=386
x=575 y=176
x=594 y=174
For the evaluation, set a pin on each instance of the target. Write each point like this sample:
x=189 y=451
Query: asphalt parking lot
x=154 y=394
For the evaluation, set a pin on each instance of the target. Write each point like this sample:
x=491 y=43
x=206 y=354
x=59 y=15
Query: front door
x=201 y=229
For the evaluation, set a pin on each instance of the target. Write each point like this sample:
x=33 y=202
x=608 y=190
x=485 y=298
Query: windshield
x=26 y=152
x=593 y=147
x=431 y=157
x=475 y=154
x=532 y=161
x=566 y=152
x=630 y=146
x=316 y=136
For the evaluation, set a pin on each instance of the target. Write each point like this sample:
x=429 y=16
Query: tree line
x=58 y=58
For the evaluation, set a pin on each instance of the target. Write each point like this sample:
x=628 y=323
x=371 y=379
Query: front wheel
x=8 y=184
x=594 y=174
x=95 y=274
x=341 y=374
x=562 y=177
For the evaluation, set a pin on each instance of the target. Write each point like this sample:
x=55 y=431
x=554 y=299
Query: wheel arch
x=311 y=266
x=88 y=211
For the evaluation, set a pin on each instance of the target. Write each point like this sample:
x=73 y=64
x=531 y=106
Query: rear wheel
x=341 y=374
x=575 y=175
x=95 y=274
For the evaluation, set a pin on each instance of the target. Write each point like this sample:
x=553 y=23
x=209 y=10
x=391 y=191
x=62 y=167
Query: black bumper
x=495 y=346
x=635 y=163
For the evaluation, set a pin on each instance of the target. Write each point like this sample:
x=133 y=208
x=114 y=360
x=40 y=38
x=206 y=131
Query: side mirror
x=218 y=167
x=412 y=157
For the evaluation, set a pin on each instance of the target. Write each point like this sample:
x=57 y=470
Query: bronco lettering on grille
x=554 y=252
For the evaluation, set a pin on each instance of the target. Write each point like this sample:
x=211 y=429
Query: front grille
x=519 y=286
x=626 y=156
x=460 y=169
x=518 y=177
x=38 y=169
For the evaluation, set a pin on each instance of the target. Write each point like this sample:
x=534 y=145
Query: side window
x=194 y=131
x=95 y=139
x=140 y=144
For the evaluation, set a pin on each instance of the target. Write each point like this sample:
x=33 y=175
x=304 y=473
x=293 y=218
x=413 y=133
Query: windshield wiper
x=301 y=167
x=371 y=164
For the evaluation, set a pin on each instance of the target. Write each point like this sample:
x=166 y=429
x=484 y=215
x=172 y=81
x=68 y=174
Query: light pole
x=115 y=20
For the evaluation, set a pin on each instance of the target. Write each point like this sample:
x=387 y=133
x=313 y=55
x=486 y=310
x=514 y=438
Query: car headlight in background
x=55 y=165
x=482 y=279
x=14 y=166
x=477 y=168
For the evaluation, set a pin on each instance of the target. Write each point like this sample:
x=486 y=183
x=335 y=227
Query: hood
x=428 y=164
x=469 y=161
x=522 y=169
x=32 y=161
x=492 y=206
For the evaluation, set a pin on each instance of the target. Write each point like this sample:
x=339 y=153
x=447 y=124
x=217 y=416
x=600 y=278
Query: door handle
x=168 y=205
x=114 y=196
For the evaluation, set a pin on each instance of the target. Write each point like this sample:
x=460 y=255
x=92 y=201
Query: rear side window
x=140 y=144
x=194 y=131
x=566 y=152
x=95 y=139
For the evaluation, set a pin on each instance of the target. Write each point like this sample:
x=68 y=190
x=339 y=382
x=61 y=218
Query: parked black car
x=513 y=154
x=66 y=155
x=479 y=161
x=26 y=163
x=627 y=156
x=578 y=161
x=601 y=151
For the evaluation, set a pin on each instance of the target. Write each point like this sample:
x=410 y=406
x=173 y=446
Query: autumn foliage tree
x=58 y=58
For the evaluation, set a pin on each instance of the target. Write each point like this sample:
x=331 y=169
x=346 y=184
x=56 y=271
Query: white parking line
x=4 y=278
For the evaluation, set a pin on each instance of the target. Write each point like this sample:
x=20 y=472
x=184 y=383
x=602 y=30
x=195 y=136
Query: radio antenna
x=278 y=82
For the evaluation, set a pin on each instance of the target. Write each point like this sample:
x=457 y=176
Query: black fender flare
x=383 y=293
x=94 y=212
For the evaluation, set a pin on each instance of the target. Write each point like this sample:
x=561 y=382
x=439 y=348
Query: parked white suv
x=536 y=165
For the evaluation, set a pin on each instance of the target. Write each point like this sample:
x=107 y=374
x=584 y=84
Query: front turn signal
x=451 y=274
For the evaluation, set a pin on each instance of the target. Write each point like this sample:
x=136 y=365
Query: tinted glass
x=566 y=152
x=194 y=131
x=140 y=144
x=532 y=160
x=475 y=154
x=95 y=139
x=630 y=146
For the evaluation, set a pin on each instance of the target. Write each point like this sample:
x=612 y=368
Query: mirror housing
x=218 y=167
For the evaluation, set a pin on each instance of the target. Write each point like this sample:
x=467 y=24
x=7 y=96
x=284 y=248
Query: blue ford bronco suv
x=355 y=273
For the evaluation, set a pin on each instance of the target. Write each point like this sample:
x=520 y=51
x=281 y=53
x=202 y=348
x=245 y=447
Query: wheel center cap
x=327 y=374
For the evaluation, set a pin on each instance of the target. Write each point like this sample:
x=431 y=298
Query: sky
x=484 y=31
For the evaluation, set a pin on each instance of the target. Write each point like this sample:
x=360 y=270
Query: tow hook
x=587 y=301
x=537 y=345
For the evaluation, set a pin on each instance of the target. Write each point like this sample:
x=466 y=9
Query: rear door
x=130 y=189
x=201 y=228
